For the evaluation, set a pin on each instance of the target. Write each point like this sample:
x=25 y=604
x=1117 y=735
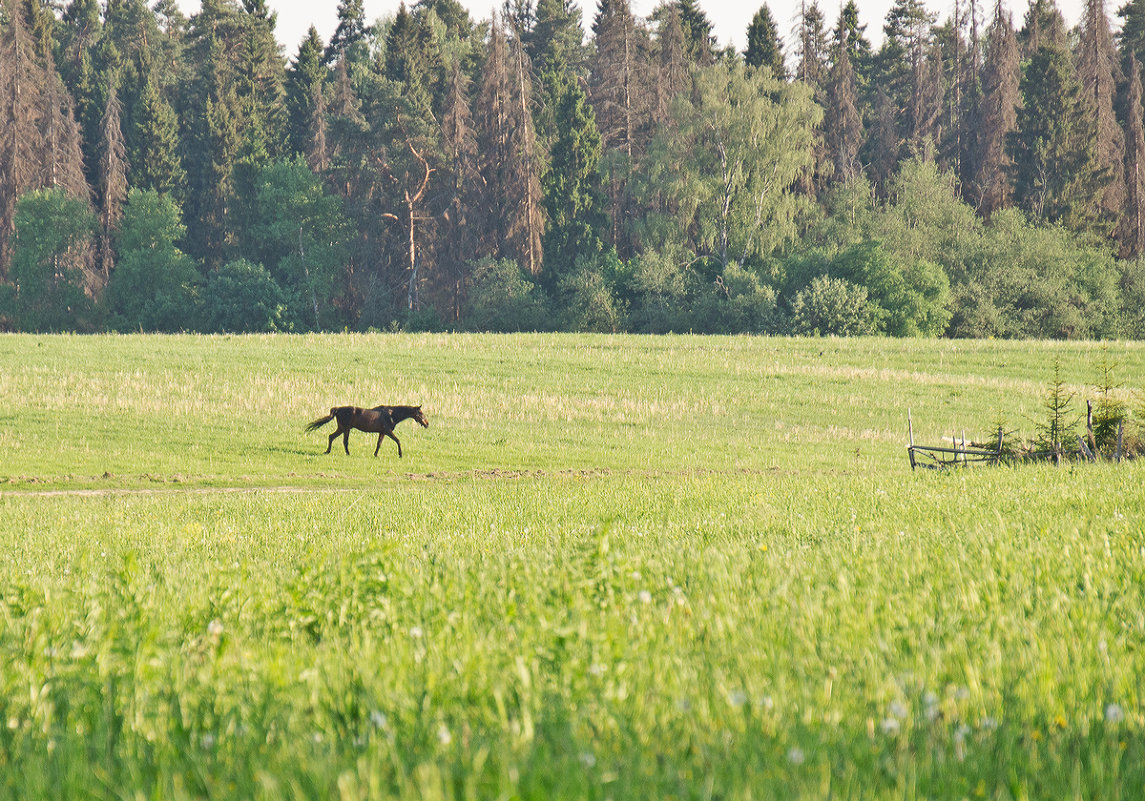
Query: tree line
x=533 y=171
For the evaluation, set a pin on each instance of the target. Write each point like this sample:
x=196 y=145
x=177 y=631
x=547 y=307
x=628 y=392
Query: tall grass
x=735 y=604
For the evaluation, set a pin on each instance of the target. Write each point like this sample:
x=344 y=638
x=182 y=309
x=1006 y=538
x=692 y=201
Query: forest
x=553 y=168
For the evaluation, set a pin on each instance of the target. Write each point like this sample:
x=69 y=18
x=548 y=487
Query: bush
x=241 y=297
x=661 y=286
x=738 y=302
x=833 y=306
x=589 y=303
x=502 y=298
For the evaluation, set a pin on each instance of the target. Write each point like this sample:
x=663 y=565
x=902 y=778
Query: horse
x=380 y=420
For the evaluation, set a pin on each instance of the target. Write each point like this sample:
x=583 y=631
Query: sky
x=730 y=18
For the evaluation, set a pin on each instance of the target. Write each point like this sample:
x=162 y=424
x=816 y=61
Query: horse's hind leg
x=379 y=445
x=330 y=444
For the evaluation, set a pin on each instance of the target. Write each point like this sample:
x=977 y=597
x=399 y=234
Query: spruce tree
x=572 y=199
x=1099 y=73
x=842 y=125
x=1131 y=37
x=155 y=161
x=618 y=88
x=1056 y=177
x=21 y=83
x=763 y=46
x=459 y=238
x=112 y=180
x=1044 y=26
x=699 y=43
x=317 y=150
x=811 y=49
x=672 y=68
x=991 y=189
x=1131 y=232
x=349 y=37
x=306 y=73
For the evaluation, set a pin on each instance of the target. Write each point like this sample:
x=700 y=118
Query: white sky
x=730 y=18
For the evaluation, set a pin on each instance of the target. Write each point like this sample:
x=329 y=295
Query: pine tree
x=1131 y=233
x=991 y=188
x=1099 y=73
x=112 y=180
x=763 y=45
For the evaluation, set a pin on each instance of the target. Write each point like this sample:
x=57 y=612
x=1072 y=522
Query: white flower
x=1114 y=713
x=378 y=719
x=416 y=632
x=795 y=755
x=890 y=726
x=208 y=741
x=645 y=597
x=215 y=628
x=588 y=759
x=443 y=735
x=738 y=698
x=897 y=710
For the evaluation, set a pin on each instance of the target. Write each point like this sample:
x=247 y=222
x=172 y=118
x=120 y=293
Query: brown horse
x=380 y=420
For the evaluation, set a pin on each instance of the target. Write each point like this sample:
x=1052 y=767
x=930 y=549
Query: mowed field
x=611 y=568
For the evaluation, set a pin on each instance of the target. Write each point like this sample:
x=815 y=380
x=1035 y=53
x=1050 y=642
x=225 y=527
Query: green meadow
x=611 y=568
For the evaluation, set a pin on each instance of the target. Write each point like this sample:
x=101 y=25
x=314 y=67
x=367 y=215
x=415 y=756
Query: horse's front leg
x=379 y=446
x=346 y=441
x=390 y=434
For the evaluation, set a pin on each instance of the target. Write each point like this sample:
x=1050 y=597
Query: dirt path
x=495 y=474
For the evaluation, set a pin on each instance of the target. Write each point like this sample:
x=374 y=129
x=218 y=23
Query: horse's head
x=419 y=417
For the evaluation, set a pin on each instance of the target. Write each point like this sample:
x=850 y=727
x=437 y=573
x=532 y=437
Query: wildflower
x=738 y=698
x=443 y=735
x=645 y=597
x=378 y=719
x=215 y=628
x=208 y=741
x=588 y=759
x=416 y=632
x=890 y=726
x=1114 y=713
x=897 y=710
x=795 y=755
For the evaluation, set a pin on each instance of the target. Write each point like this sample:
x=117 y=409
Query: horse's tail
x=321 y=421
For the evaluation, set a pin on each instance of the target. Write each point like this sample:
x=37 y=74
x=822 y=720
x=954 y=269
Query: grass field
x=611 y=568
